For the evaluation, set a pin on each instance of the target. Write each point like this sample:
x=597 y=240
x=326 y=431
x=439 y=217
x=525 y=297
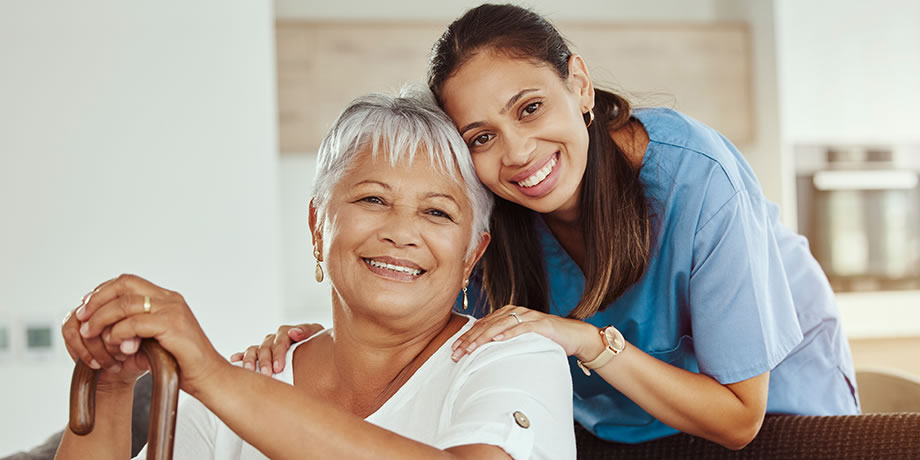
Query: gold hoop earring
x=466 y=301
x=318 y=273
x=589 y=117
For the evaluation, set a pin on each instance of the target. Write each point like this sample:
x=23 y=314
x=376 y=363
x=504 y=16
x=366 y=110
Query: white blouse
x=515 y=394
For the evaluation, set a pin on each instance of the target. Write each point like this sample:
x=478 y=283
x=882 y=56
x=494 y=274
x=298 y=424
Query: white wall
x=848 y=70
x=138 y=137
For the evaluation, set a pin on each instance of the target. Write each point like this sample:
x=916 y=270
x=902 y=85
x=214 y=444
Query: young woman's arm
x=730 y=415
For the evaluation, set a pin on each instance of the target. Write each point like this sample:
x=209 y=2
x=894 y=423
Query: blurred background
x=175 y=140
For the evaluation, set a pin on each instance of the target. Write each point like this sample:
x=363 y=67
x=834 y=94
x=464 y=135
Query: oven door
x=864 y=227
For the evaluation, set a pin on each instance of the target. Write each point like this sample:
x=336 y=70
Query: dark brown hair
x=613 y=210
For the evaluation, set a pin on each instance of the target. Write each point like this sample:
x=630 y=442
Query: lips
x=530 y=173
x=540 y=179
x=396 y=267
x=541 y=174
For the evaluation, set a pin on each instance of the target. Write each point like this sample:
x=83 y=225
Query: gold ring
x=518 y=318
x=146 y=304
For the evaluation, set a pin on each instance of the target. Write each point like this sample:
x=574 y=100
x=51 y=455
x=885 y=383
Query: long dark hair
x=613 y=210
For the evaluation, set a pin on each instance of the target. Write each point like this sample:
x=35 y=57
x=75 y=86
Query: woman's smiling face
x=524 y=126
x=394 y=238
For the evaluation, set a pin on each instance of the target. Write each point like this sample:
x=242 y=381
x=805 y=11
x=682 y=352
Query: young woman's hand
x=274 y=348
x=576 y=337
x=121 y=311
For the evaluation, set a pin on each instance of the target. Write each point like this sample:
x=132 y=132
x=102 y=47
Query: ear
x=484 y=240
x=580 y=81
x=316 y=231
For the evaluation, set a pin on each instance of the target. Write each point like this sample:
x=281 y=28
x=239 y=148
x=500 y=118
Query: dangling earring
x=319 y=268
x=466 y=301
x=586 y=115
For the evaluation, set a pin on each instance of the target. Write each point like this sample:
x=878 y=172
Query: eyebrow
x=371 y=181
x=442 y=195
x=513 y=100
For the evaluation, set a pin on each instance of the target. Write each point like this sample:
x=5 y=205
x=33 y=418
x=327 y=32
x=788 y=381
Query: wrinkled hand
x=119 y=369
x=112 y=320
x=576 y=337
x=274 y=348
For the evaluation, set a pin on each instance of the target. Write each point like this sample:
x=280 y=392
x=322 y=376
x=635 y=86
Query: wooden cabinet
x=703 y=70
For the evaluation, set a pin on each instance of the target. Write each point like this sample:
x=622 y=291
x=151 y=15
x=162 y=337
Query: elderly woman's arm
x=277 y=422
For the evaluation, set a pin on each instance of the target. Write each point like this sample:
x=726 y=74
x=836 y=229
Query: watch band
x=609 y=351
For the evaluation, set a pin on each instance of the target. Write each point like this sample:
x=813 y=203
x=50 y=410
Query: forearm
x=285 y=423
x=111 y=435
x=730 y=415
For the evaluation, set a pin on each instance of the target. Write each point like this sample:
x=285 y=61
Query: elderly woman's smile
x=386 y=266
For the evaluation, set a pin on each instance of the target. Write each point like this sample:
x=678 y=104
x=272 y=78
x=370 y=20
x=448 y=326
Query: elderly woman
x=398 y=221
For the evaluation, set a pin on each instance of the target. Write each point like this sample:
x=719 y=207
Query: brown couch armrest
x=782 y=436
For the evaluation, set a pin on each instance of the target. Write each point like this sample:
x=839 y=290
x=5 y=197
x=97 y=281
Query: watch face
x=615 y=339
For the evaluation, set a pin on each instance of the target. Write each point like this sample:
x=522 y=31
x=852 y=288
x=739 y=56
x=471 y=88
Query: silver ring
x=146 y=304
x=515 y=315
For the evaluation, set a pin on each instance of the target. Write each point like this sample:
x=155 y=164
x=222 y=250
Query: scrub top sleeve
x=517 y=396
x=196 y=431
x=742 y=316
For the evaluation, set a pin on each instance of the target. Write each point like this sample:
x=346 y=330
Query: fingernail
x=116 y=368
x=277 y=366
x=247 y=365
x=94 y=364
x=81 y=311
x=128 y=347
x=296 y=330
x=471 y=347
x=84 y=330
x=498 y=337
x=456 y=355
x=266 y=370
x=455 y=345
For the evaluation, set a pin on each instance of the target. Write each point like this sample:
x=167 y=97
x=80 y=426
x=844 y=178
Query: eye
x=372 y=200
x=529 y=109
x=439 y=213
x=480 y=140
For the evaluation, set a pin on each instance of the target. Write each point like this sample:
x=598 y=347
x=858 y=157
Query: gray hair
x=402 y=125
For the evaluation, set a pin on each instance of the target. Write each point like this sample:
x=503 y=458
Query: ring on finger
x=515 y=315
x=146 y=304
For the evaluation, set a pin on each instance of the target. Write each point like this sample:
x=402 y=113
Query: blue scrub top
x=729 y=292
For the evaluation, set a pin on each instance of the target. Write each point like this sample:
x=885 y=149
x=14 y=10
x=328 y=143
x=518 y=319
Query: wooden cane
x=162 y=429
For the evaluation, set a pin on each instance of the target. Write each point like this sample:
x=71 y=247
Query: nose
x=400 y=229
x=519 y=148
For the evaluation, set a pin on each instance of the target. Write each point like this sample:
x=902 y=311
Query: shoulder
x=530 y=347
x=685 y=154
x=669 y=127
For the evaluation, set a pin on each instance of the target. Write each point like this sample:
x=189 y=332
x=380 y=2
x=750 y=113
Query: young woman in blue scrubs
x=644 y=225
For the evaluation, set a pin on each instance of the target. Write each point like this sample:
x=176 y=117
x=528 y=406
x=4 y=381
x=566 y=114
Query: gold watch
x=615 y=344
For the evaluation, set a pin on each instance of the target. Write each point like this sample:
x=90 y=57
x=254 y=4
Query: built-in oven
x=859 y=206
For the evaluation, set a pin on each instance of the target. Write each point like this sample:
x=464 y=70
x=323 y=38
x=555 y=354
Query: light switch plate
x=38 y=338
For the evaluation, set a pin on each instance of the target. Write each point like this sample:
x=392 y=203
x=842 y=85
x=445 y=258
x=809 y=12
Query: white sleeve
x=196 y=430
x=516 y=395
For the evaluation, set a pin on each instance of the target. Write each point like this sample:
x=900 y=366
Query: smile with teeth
x=395 y=268
x=538 y=176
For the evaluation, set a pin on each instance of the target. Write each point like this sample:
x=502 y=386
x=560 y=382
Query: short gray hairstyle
x=401 y=126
